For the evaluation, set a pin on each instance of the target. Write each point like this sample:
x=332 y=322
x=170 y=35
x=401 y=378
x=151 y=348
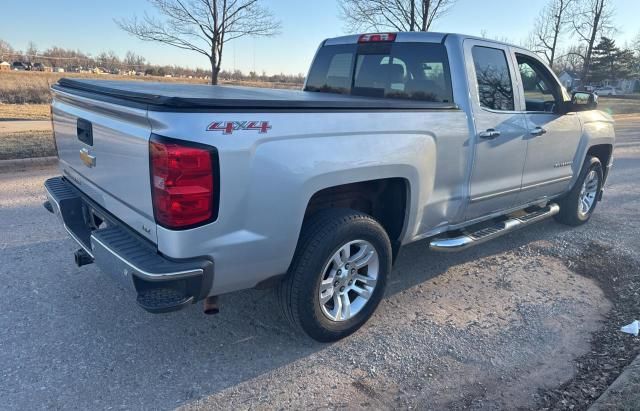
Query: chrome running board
x=468 y=239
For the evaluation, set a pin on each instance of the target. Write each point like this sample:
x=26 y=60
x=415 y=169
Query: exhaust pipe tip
x=81 y=258
x=211 y=305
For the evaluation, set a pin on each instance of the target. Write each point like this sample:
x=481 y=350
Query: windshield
x=417 y=71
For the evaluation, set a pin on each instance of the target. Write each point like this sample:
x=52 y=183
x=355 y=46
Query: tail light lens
x=184 y=183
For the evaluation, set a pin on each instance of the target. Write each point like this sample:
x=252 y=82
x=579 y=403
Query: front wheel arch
x=569 y=203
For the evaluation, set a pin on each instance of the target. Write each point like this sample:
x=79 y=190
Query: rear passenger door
x=500 y=129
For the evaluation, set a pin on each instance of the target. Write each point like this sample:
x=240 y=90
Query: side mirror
x=583 y=101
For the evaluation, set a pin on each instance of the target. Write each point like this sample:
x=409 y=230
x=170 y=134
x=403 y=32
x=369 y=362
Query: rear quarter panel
x=268 y=178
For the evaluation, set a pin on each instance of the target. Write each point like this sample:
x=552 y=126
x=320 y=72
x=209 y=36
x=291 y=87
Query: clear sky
x=88 y=26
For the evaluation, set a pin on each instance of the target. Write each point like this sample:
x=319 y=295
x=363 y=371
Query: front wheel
x=338 y=274
x=577 y=206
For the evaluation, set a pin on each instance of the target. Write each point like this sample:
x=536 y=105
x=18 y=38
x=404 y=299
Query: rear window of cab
x=414 y=71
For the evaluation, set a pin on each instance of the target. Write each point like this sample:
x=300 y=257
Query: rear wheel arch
x=320 y=274
x=386 y=200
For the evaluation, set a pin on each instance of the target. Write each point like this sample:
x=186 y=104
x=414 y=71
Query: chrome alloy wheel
x=348 y=280
x=588 y=193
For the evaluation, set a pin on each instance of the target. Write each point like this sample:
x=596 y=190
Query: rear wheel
x=338 y=274
x=577 y=206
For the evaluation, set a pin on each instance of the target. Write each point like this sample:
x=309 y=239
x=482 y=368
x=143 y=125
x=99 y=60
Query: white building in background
x=628 y=86
x=569 y=79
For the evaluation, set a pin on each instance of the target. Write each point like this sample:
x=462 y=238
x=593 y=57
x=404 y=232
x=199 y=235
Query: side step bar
x=468 y=239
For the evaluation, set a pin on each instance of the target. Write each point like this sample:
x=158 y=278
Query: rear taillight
x=183 y=183
x=377 y=37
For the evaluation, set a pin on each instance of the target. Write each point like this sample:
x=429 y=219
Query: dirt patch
x=454 y=332
x=618 y=275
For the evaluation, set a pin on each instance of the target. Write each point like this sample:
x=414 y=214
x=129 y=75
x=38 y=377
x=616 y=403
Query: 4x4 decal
x=228 y=127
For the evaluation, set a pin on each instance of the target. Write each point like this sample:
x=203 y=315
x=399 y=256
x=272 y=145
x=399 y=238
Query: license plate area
x=95 y=219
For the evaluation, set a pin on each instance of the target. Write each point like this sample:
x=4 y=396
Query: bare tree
x=591 y=20
x=635 y=44
x=397 y=15
x=133 y=61
x=6 y=51
x=109 y=61
x=203 y=26
x=32 y=51
x=549 y=26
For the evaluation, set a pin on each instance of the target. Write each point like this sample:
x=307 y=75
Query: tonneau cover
x=171 y=96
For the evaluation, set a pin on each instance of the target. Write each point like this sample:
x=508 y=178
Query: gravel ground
x=526 y=321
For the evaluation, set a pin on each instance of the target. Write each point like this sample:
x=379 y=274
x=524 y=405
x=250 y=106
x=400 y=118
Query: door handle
x=85 y=131
x=489 y=134
x=538 y=131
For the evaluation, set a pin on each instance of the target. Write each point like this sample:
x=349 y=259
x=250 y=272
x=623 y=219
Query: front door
x=553 y=138
x=500 y=130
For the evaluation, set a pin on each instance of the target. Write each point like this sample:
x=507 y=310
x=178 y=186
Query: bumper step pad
x=162 y=300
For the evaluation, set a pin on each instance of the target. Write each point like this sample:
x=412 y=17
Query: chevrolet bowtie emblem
x=87 y=159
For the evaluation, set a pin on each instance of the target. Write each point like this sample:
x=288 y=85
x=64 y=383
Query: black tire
x=569 y=204
x=322 y=236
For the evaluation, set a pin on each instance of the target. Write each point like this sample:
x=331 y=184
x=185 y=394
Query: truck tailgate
x=104 y=151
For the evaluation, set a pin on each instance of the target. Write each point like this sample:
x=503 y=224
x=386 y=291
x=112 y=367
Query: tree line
x=131 y=63
x=207 y=26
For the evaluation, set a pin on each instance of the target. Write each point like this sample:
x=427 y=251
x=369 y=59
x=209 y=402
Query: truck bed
x=158 y=96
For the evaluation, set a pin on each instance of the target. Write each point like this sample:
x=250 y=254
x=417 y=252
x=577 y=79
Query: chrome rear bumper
x=129 y=258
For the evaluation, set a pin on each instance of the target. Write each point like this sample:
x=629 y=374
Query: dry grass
x=35 y=143
x=619 y=105
x=30 y=87
x=10 y=112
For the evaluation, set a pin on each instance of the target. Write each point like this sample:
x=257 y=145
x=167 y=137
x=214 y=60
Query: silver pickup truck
x=187 y=192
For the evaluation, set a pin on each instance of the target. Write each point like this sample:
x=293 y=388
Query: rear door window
x=416 y=71
x=495 y=89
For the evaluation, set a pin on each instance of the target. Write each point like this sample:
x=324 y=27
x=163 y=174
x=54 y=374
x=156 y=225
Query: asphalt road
x=484 y=328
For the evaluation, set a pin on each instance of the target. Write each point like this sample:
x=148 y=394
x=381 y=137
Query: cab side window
x=495 y=89
x=540 y=91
